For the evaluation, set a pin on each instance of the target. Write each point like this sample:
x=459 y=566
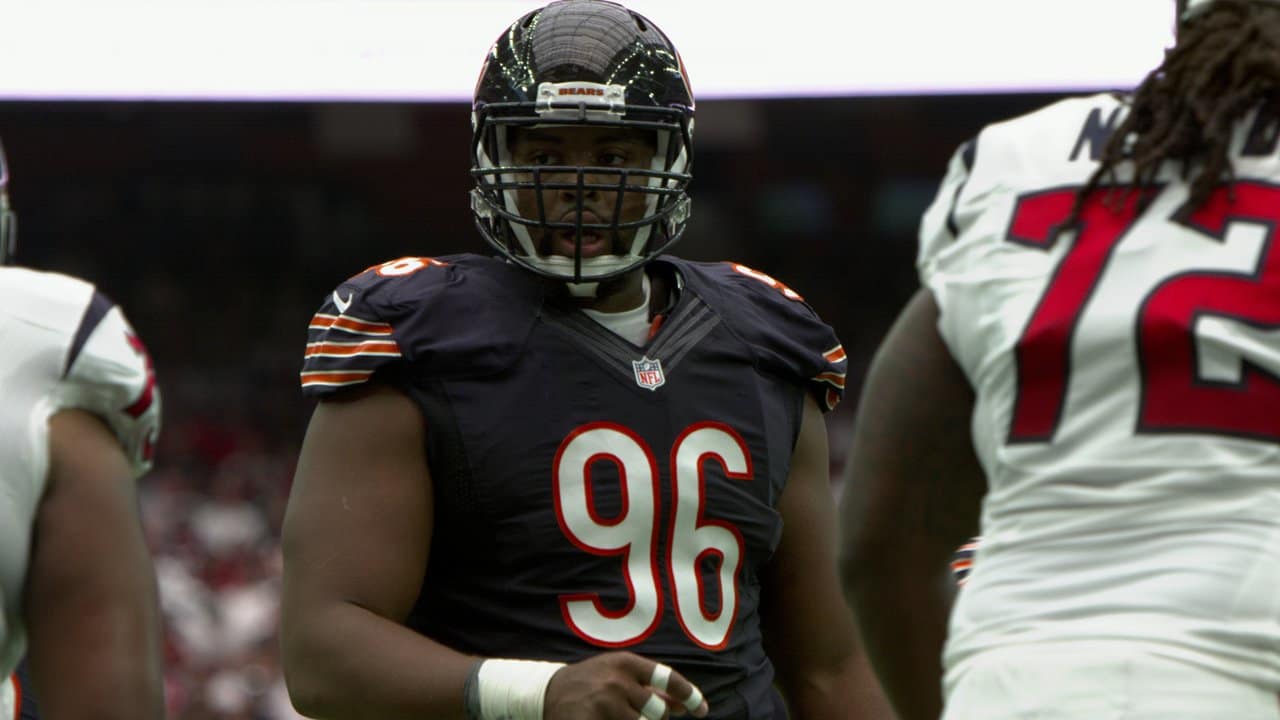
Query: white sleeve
x=940 y=225
x=111 y=376
x=942 y=251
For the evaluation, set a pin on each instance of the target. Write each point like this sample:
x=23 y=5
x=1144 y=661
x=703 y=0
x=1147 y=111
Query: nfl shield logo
x=648 y=373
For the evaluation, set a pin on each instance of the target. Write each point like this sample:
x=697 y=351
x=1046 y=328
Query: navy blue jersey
x=592 y=494
x=19 y=694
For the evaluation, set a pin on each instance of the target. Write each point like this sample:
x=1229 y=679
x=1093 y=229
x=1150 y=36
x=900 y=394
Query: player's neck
x=619 y=295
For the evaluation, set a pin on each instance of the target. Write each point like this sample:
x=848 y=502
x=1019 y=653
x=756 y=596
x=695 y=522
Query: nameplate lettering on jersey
x=649 y=373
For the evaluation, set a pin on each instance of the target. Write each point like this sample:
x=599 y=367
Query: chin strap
x=583 y=290
x=591 y=290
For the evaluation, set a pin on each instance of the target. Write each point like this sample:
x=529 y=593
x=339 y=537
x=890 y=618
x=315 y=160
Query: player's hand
x=620 y=686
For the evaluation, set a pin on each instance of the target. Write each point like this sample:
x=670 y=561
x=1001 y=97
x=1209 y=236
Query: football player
x=1098 y=341
x=583 y=478
x=78 y=425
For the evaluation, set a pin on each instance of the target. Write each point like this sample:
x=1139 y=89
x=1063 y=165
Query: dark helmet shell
x=582 y=62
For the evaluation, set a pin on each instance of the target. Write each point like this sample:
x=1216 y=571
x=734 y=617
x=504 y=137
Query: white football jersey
x=1127 y=380
x=64 y=346
x=10 y=699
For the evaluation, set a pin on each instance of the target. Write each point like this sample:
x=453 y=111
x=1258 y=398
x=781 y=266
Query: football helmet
x=1193 y=8
x=582 y=63
x=8 y=220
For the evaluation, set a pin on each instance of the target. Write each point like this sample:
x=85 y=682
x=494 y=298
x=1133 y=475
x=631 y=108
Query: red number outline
x=700 y=520
x=728 y=595
x=625 y=553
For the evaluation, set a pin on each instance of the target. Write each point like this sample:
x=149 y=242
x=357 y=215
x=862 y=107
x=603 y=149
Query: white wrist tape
x=513 y=689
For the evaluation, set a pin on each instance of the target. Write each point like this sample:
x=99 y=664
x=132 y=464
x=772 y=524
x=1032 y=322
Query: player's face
x=583 y=146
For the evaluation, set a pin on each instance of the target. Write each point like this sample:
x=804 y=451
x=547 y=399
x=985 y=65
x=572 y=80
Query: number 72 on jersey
x=1176 y=395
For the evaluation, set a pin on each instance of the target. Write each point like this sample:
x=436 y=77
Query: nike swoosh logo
x=342 y=304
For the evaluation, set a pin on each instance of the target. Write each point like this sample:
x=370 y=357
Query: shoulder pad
x=782 y=330
x=449 y=316
x=1053 y=146
x=47 y=299
x=109 y=373
x=963 y=233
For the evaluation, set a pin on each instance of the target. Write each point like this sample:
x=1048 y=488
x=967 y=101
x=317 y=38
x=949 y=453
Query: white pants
x=1082 y=681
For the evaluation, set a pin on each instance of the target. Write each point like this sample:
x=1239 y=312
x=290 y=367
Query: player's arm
x=90 y=599
x=808 y=630
x=356 y=537
x=912 y=496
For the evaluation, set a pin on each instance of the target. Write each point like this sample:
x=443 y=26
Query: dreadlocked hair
x=1225 y=63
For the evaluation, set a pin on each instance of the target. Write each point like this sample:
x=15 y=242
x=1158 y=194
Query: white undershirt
x=631 y=325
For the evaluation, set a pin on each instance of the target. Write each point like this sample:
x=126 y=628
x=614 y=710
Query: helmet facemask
x=634 y=240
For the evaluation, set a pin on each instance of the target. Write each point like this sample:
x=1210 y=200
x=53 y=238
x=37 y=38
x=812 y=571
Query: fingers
x=621 y=686
x=655 y=708
x=671 y=683
x=660 y=677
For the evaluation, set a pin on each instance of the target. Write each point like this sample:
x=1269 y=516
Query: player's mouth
x=594 y=242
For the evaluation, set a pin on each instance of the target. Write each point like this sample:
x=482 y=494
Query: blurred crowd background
x=220 y=227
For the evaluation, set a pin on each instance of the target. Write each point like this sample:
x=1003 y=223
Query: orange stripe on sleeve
x=835 y=354
x=362 y=326
x=836 y=379
x=335 y=377
x=368 y=347
x=322 y=321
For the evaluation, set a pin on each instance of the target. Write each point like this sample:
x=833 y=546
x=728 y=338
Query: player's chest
x=588 y=431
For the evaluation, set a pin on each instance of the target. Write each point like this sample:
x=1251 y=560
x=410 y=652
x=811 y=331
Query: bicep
x=358 y=525
x=807 y=620
x=912 y=475
x=90 y=596
x=356 y=537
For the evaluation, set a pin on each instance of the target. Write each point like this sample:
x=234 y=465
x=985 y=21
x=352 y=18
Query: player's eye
x=542 y=157
x=610 y=158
